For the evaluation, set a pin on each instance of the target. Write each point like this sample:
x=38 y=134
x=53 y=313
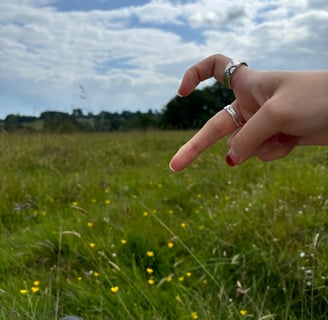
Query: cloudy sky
x=131 y=55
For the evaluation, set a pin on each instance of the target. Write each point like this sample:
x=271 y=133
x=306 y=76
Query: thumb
x=264 y=124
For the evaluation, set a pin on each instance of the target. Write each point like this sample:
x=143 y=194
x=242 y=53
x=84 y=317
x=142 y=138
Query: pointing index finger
x=217 y=127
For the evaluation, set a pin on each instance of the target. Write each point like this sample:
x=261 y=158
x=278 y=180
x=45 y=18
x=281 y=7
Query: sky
x=115 y=55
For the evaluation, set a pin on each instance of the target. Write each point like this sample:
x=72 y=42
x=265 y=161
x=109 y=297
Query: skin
x=280 y=109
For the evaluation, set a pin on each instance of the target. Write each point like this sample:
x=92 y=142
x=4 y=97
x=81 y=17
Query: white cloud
x=133 y=57
x=159 y=12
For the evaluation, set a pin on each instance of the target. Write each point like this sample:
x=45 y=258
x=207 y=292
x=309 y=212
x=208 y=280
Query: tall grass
x=97 y=226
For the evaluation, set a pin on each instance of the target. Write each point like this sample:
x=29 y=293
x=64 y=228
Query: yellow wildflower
x=35 y=289
x=150 y=254
x=36 y=283
x=183 y=225
x=149 y=270
x=194 y=315
x=188 y=274
x=114 y=289
x=170 y=244
x=75 y=203
x=23 y=291
x=181 y=279
x=123 y=241
x=169 y=278
x=107 y=201
x=243 y=312
x=90 y=224
x=145 y=213
x=151 y=281
x=92 y=244
x=96 y=274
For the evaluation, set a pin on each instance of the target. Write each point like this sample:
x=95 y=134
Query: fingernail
x=232 y=158
x=170 y=166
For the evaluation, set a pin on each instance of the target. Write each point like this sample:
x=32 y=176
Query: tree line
x=179 y=113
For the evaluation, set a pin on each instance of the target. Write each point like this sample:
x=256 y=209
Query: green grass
x=78 y=213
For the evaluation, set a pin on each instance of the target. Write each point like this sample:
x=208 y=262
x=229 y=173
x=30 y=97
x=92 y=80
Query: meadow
x=96 y=225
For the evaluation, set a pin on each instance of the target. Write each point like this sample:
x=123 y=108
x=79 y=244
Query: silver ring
x=234 y=115
x=230 y=68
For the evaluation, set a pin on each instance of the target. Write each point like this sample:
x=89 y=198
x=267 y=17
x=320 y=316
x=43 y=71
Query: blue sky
x=131 y=55
x=90 y=5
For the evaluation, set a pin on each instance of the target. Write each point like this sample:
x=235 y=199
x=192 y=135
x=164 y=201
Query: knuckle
x=214 y=126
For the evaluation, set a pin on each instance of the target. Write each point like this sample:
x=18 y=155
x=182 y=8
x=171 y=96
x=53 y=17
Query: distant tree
x=59 y=122
x=12 y=123
x=145 y=121
x=194 y=110
x=77 y=113
x=54 y=115
x=102 y=121
x=128 y=115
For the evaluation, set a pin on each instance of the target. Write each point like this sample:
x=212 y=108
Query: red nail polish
x=229 y=161
x=232 y=158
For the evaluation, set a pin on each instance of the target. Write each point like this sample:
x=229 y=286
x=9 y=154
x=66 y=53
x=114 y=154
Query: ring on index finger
x=230 y=68
x=234 y=115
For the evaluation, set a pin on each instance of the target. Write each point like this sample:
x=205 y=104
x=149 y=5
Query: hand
x=280 y=110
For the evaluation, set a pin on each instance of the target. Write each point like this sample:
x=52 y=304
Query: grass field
x=97 y=226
